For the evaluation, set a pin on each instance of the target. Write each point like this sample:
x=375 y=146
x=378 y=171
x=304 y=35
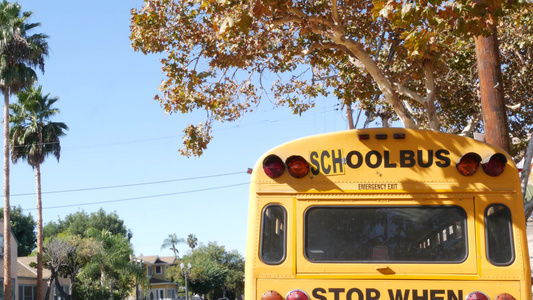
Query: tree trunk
x=491 y=89
x=349 y=114
x=49 y=288
x=7 y=219
x=60 y=288
x=39 y=232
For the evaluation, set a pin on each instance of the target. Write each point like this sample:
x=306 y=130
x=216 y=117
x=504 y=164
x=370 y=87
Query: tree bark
x=39 y=232
x=7 y=212
x=491 y=89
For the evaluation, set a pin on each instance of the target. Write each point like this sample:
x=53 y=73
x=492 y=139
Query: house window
x=149 y=270
x=2 y=249
x=156 y=294
x=2 y=290
x=172 y=293
x=57 y=294
x=158 y=270
x=27 y=292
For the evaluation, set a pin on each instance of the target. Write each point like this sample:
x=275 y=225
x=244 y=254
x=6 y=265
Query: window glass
x=1 y=247
x=499 y=234
x=27 y=292
x=418 y=234
x=273 y=234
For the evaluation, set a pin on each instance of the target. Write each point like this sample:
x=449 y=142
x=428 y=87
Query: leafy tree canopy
x=412 y=61
x=23 y=227
x=78 y=223
x=95 y=252
x=214 y=270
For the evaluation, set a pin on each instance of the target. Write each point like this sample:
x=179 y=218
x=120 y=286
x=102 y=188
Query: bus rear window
x=498 y=228
x=402 y=234
x=273 y=234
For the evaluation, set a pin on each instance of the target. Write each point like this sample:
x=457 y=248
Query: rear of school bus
x=393 y=214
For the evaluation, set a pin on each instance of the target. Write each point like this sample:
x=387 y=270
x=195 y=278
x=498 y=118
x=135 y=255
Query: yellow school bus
x=386 y=214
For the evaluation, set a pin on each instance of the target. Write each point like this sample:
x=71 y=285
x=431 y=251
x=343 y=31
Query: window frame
x=463 y=229
x=488 y=236
x=283 y=246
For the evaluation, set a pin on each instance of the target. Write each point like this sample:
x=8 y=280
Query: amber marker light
x=504 y=297
x=468 y=164
x=297 y=166
x=271 y=295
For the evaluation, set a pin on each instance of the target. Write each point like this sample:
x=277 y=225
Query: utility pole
x=491 y=88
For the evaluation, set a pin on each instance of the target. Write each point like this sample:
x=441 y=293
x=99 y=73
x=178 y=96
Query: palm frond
x=34 y=135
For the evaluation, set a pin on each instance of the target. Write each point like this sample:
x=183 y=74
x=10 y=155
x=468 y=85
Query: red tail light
x=477 y=296
x=494 y=164
x=273 y=166
x=297 y=295
x=297 y=166
x=468 y=164
x=271 y=295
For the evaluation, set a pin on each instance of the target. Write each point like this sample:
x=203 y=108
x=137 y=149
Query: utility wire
x=143 y=197
x=128 y=185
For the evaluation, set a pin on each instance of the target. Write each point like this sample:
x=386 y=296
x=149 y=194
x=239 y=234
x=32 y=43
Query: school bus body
x=407 y=179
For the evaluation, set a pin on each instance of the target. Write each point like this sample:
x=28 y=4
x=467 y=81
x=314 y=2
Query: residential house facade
x=23 y=276
x=160 y=285
x=27 y=281
x=13 y=264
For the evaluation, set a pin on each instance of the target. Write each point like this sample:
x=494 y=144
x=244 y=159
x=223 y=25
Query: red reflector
x=297 y=295
x=364 y=136
x=271 y=295
x=381 y=136
x=477 y=296
x=494 y=164
x=505 y=297
x=297 y=166
x=273 y=166
x=468 y=164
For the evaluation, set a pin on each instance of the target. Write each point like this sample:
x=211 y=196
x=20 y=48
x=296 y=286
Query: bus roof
x=387 y=159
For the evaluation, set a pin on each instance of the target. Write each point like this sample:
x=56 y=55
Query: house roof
x=169 y=259
x=25 y=270
x=155 y=281
x=156 y=259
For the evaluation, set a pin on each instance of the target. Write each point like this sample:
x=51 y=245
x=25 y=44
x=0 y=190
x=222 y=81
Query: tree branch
x=335 y=13
x=403 y=90
x=469 y=128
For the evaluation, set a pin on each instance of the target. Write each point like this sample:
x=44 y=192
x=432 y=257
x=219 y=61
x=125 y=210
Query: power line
x=143 y=197
x=128 y=185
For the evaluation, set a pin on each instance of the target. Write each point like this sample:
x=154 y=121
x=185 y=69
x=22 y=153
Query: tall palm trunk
x=39 y=232
x=7 y=218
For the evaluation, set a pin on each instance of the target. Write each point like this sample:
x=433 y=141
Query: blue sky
x=119 y=136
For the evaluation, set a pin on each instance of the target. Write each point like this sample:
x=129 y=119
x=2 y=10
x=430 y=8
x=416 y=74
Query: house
x=156 y=269
x=27 y=280
x=13 y=263
x=23 y=276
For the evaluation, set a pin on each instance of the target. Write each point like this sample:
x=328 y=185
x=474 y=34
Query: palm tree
x=33 y=138
x=192 y=241
x=111 y=260
x=19 y=54
x=170 y=242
